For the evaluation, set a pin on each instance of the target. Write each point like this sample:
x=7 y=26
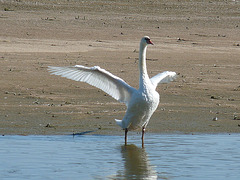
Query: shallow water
x=105 y=157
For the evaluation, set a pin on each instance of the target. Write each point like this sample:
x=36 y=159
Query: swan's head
x=146 y=40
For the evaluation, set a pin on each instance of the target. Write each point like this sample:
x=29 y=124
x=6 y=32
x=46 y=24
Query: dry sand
x=197 y=39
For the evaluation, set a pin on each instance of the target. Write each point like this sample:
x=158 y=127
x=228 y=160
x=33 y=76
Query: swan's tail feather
x=119 y=122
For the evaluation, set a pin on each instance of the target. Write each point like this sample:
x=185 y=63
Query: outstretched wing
x=98 y=77
x=164 y=77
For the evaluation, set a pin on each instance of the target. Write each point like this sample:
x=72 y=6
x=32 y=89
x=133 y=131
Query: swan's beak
x=150 y=42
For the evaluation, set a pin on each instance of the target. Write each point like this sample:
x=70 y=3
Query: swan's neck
x=144 y=79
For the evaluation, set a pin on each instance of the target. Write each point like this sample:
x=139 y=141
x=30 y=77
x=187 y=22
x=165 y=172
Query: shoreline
x=193 y=39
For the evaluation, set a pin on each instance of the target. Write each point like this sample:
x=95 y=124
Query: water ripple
x=175 y=156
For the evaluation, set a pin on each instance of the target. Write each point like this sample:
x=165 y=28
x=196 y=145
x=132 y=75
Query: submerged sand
x=197 y=39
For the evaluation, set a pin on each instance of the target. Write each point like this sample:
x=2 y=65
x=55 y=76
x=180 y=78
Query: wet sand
x=199 y=40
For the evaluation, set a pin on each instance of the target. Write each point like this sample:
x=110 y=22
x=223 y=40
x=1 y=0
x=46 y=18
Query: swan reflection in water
x=136 y=164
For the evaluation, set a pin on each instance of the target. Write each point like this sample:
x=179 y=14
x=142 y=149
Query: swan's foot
x=143 y=131
x=126 y=131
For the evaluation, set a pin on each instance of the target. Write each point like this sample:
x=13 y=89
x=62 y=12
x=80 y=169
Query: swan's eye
x=147 y=39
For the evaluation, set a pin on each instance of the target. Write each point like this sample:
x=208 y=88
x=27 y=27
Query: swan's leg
x=143 y=131
x=126 y=131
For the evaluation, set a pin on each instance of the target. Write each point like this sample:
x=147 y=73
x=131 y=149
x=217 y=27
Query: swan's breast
x=141 y=108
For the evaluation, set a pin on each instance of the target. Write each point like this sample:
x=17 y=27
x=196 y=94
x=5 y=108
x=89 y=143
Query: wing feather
x=98 y=77
x=164 y=77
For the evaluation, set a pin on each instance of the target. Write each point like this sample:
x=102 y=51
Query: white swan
x=140 y=103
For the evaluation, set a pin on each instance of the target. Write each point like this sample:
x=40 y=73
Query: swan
x=141 y=103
